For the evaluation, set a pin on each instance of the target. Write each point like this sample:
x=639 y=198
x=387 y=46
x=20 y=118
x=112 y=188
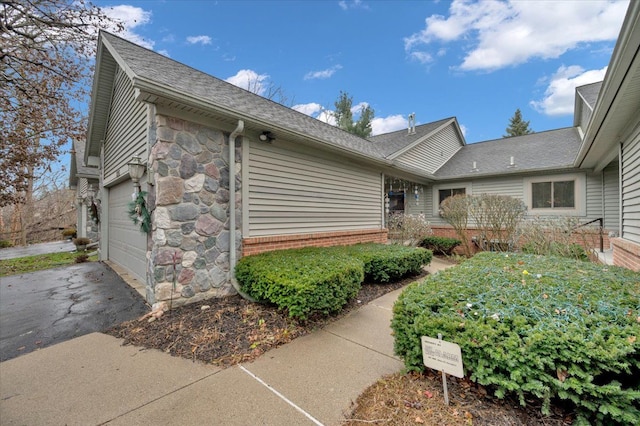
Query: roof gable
x=391 y=145
x=154 y=73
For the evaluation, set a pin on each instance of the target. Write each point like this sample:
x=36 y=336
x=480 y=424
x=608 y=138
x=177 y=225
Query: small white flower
x=496 y=317
x=506 y=255
x=538 y=275
x=469 y=305
x=475 y=313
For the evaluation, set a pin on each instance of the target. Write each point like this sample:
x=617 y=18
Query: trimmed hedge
x=322 y=280
x=301 y=280
x=386 y=263
x=440 y=245
x=549 y=327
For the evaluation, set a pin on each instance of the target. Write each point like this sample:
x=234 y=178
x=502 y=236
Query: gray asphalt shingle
x=554 y=149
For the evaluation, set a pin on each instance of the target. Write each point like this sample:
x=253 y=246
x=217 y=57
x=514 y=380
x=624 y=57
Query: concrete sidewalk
x=94 y=380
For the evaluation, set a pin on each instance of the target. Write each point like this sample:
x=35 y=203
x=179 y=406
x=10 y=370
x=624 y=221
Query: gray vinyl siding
x=585 y=115
x=631 y=189
x=507 y=186
x=594 y=196
x=296 y=191
x=432 y=153
x=612 y=197
x=126 y=133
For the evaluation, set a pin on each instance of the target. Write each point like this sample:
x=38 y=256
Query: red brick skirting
x=626 y=253
x=586 y=238
x=257 y=245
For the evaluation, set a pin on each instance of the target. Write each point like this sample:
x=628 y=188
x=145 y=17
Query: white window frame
x=580 y=193
x=436 y=193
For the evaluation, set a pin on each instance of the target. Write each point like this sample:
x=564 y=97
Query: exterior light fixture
x=267 y=136
x=136 y=170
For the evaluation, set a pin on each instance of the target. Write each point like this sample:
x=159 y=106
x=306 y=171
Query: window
x=443 y=191
x=553 y=195
x=396 y=202
x=556 y=195
x=443 y=194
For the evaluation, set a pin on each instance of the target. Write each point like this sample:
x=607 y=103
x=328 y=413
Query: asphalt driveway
x=47 y=307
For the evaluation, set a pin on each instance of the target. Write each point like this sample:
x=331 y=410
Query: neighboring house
x=85 y=180
x=295 y=181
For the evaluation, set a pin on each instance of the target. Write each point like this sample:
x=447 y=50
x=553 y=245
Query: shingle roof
x=554 y=149
x=160 y=70
x=390 y=143
x=78 y=169
x=590 y=93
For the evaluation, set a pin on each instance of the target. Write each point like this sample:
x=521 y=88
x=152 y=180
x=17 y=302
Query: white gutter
x=232 y=210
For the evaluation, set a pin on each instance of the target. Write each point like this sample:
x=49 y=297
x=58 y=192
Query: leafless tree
x=46 y=51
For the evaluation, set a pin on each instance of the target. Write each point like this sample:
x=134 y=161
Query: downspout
x=232 y=210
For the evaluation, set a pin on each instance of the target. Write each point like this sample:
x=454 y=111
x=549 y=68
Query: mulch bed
x=228 y=331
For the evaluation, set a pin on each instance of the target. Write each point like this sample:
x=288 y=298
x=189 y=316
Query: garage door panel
x=127 y=244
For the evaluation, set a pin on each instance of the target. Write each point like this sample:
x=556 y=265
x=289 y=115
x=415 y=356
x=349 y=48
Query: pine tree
x=344 y=116
x=517 y=126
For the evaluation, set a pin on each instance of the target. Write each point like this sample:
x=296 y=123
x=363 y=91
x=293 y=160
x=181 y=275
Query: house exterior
x=612 y=136
x=229 y=173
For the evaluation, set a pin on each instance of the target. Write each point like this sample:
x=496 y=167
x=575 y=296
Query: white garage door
x=127 y=244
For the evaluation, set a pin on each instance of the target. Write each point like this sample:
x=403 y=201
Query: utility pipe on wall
x=232 y=210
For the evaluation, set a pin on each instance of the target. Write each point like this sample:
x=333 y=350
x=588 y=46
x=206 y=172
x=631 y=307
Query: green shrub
x=385 y=263
x=538 y=326
x=440 y=245
x=69 y=233
x=322 y=280
x=568 y=250
x=304 y=281
x=5 y=244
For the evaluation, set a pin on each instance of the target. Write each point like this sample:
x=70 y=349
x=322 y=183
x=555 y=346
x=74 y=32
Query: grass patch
x=23 y=265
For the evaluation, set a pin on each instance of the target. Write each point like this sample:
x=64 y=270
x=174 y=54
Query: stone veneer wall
x=190 y=202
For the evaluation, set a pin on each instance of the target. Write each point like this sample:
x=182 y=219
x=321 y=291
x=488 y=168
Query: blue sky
x=478 y=61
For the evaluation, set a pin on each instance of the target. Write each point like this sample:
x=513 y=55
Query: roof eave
x=149 y=91
x=511 y=172
x=613 y=79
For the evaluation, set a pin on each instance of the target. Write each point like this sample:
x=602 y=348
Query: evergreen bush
x=547 y=327
x=303 y=281
x=386 y=263
x=440 y=245
x=322 y=280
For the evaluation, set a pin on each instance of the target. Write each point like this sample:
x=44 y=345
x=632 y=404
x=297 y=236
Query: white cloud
x=353 y=4
x=164 y=52
x=131 y=18
x=391 y=123
x=250 y=80
x=422 y=57
x=508 y=33
x=355 y=109
x=559 y=95
x=324 y=74
x=309 y=109
x=463 y=129
x=326 y=116
x=202 y=39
